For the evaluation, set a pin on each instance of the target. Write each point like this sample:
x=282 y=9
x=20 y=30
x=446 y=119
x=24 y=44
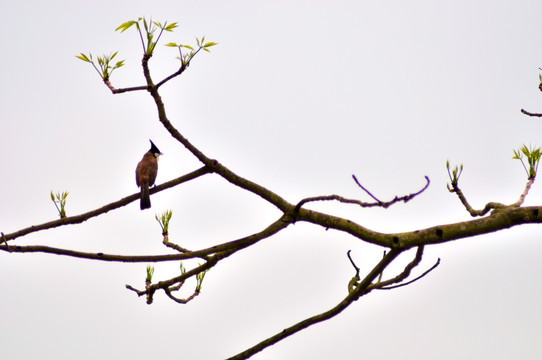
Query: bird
x=146 y=171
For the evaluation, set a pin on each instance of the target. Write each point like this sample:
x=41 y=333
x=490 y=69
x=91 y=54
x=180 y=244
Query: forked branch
x=377 y=203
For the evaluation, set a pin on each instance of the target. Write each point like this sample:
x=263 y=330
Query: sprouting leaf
x=125 y=26
x=209 y=44
x=172 y=44
x=83 y=57
x=119 y=64
x=188 y=47
x=113 y=55
x=170 y=27
x=145 y=25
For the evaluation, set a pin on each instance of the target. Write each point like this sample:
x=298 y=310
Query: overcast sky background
x=297 y=96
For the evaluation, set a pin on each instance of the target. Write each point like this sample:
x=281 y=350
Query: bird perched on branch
x=146 y=174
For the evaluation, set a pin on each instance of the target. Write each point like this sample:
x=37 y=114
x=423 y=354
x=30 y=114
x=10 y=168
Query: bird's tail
x=145 y=198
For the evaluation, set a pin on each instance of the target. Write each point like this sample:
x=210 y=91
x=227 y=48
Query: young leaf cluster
x=163 y=220
x=533 y=159
x=454 y=174
x=187 y=57
x=150 y=273
x=150 y=27
x=60 y=199
x=105 y=63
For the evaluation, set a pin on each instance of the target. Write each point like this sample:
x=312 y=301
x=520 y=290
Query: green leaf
x=83 y=57
x=112 y=56
x=145 y=25
x=125 y=26
x=188 y=47
x=209 y=44
x=170 y=27
x=172 y=44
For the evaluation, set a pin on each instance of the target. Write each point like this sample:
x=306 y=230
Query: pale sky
x=297 y=96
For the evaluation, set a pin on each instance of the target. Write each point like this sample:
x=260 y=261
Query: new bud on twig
x=533 y=158
x=163 y=220
x=60 y=199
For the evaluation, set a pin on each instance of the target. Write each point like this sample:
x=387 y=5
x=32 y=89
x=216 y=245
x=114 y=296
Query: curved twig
x=378 y=203
x=530 y=113
x=413 y=280
x=405 y=198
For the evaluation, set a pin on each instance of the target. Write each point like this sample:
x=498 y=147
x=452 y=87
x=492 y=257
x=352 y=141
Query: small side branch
x=473 y=212
x=355 y=279
x=413 y=280
x=179 y=300
x=124 y=90
x=377 y=203
x=403 y=275
x=525 y=192
x=405 y=198
x=454 y=174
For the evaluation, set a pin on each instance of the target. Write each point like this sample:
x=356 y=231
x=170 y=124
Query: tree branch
x=231 y=246
x=352 y=296
x=413 y=280
x=76 y=219
x=378 y=203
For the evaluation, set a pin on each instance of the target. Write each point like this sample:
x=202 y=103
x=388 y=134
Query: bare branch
x=352 y=261
x=123 y=90
x=525 y=192
x=355 y=279
x=405 y=198
x=347 y=301
x=473 y=212
x=179 y=300
x=530 y=113
x=175 y=74
x=406 y=272
x=378 y=203
x=413 y=280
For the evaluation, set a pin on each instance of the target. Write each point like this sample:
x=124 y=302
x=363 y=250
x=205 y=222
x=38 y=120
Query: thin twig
x=352 y=261
x=378 y=203
x=404 y=274
x=179 y=300
x=530 y=113
x=413 y=280
x=386 y=204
